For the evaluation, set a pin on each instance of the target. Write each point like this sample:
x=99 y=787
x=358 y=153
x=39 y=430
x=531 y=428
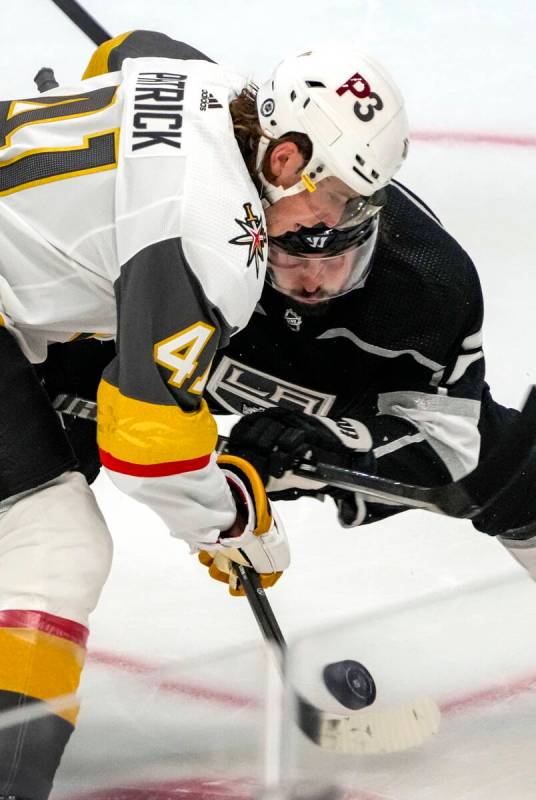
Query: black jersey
x=402 y=354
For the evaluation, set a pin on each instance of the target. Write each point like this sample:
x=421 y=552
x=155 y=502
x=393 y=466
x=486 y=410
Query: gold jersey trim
x=139 y=432
x=98 y=63
x=41 y=666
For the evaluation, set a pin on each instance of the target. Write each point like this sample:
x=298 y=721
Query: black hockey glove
x=512 y=514
x=278 y=439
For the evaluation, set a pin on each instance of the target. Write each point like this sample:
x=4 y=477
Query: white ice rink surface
x=435 y=607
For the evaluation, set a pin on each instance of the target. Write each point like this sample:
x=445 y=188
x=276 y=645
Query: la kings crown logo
x=241 y=389
x=293 y=319
x=158 y=113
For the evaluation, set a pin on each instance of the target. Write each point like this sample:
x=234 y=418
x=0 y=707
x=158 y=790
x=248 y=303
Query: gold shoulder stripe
x=98 y=64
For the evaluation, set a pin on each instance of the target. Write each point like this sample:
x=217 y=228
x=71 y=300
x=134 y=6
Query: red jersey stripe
x=46 y=623
x=152 y=470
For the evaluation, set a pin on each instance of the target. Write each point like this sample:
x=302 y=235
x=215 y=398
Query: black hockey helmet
x=320 y=240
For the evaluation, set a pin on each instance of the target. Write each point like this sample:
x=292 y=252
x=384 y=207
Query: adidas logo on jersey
x=208 y=101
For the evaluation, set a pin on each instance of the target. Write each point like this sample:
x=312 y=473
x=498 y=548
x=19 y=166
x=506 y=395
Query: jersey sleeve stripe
x=152 y=470
x=448 y=424
x=403 y=441
x=47 y=623
x=42 y=667
x=138 y=434
x=462 y=364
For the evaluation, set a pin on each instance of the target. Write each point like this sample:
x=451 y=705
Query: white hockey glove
x=257 y=539
x=278 y=439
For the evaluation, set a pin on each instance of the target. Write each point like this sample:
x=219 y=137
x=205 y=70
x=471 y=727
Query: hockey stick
x=466 y=497
x=262 y=610
x=83 y=20
x=348 y=681
x=368 y=731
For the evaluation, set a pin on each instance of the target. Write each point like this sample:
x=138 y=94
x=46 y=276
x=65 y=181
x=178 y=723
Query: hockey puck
x=350 y=683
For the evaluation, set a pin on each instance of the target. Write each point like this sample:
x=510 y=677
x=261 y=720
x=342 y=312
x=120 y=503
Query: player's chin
x=310 y=307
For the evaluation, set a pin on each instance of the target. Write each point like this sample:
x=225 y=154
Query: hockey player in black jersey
x=378 y=323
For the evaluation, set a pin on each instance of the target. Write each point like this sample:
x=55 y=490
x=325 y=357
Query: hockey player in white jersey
x=130 y=207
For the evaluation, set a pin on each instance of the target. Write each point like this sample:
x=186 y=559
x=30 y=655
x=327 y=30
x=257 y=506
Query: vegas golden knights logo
x=254 y=237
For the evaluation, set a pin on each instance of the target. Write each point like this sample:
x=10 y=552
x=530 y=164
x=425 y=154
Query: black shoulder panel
x=141 y=44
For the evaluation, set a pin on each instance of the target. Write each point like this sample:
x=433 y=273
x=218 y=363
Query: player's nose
x=312 y=278
x=331 y=216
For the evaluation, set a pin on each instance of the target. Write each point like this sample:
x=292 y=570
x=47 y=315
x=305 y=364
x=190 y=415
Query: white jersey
x=126 y=210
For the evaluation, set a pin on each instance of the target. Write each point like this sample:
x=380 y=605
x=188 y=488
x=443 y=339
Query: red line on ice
x=474 y=137
x=494 y=694
x=174 y=686
x=134 y=666
x=198 y=789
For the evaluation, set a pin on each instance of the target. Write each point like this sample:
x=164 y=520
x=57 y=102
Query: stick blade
x=371 y=731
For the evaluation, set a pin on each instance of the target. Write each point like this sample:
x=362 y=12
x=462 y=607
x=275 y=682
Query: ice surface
x=174 y=728
x=418 y=586
x=480 y=670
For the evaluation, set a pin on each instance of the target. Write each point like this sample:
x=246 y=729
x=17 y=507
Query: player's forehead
x=333 y=184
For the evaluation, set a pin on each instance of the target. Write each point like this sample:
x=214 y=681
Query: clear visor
x=316 y=278
x=332 y=198
x=328 y=200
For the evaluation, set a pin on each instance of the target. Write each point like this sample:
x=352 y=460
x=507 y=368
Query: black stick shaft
x=259 y=604
x=310 y=719
x=465 y=497
x=83 y=20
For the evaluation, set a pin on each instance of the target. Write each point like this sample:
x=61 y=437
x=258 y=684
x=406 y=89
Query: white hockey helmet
x=351 y=110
